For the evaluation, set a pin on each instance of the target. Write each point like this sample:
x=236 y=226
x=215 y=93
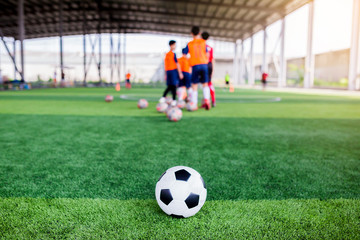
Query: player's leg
x=189 y=93
x=168 y=83
x=167 y=90
x=173 y=92
x=206 y=90
x=186 y=84
x=188 y=87
x=194 y=84
x=194 y=93
x=212 y=89
x=182 y=93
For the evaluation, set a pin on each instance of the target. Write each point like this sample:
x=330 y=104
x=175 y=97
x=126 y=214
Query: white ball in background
x=191 y=107
x=174 y=114
x=168 y=100
x=181 y=104
x=161 y=107
x=109 y=98
x=142 y=103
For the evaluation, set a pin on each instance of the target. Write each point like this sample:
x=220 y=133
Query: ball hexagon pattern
x=181 y=192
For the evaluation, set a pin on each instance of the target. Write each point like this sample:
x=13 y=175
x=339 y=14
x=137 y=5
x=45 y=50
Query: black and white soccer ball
x=168 y=100
x=142 y=103
x=191 y=106
x=174 y=114
x=109 y=98
x=180 y=192
x=161 y=107
x=181 y=104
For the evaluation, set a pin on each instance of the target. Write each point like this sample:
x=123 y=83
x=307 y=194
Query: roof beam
x=52 y=32
x=216 y=4
x=148 y=12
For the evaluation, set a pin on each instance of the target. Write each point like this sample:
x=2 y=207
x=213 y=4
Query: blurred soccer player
x=227 y=79
x=128 y=84
x=173 y=72
x=185 y=83
x=199 y=63
x=264 y=77
x=210 y=52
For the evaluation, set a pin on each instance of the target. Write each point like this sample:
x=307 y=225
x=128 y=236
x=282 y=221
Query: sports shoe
x=207 y=104
x=173 y=103
x=213 y=104
x=203 y=104
x=162 y=100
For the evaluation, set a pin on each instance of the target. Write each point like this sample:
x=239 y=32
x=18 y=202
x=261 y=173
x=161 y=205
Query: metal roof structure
x=229 y=20
x=224 y=19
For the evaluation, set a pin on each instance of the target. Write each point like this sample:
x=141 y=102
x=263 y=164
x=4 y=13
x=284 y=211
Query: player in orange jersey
x=128 y=84
x=199 y=62
x=173 y=72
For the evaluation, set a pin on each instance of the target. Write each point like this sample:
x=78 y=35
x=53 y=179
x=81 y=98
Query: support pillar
x=61 y=42
x=309 y=59
x=251 y=73
x=111 y=58
x=84 y=59
x=119 y=58
x=235 y=64
x=14 y=56
x=21 y=35
x=283 y=64
x=354 y=66
x=264 y=67
x=125 y=70
x=242 y=64
x=99 y=63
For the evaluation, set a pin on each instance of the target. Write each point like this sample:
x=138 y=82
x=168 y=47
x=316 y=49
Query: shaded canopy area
x=225 y=19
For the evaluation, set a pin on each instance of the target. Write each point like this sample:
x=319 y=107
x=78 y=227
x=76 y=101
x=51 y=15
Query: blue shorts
x=186 y=81
x=200 y=73
x=172 y=77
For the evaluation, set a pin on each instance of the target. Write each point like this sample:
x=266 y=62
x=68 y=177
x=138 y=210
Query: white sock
x=179 y=93
x=190 y=91
x=194 y=97
x=206 y=92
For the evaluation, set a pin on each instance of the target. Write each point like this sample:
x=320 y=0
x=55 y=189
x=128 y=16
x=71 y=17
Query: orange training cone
x=231 y=88
x=117 y=87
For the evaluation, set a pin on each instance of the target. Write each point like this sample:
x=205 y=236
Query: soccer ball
x=174 y=114
x=191 y=107
x=161 y=107
x=167 y=111
x=142 y=103
x=181 y=104
x=168 y=100
x=180 y=192
x=109 y=98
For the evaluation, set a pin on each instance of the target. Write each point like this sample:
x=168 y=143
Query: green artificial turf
x=24 y=218
x=73 y=166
